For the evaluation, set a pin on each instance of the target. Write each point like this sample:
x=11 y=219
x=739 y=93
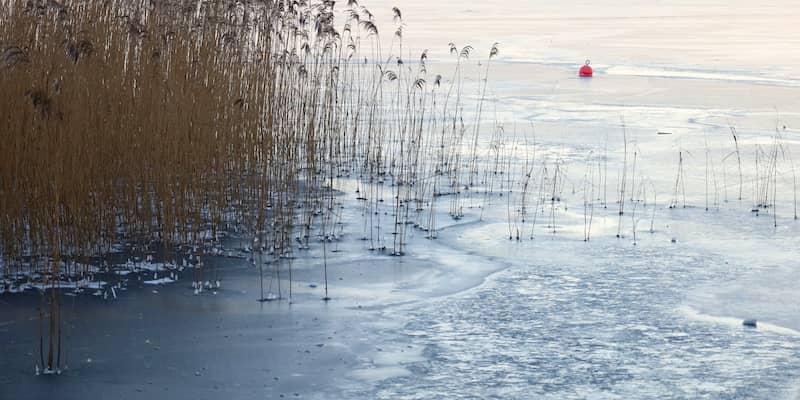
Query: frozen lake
x=474 y=314
x=732 y=38
x=606 y=319
x=568 y=319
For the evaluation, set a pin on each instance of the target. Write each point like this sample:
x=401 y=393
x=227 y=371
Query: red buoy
x=586 y=70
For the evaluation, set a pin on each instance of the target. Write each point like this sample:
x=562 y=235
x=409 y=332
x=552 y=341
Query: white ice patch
x=145 y=266
x=82 y=284
x=629 y=70
x=378 y=374
x=160 y=281
x=693 y=314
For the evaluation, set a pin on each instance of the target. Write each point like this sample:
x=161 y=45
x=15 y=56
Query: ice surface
x=474 y=314
x=607 y=319
x=160 y=281
x=604 y=321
